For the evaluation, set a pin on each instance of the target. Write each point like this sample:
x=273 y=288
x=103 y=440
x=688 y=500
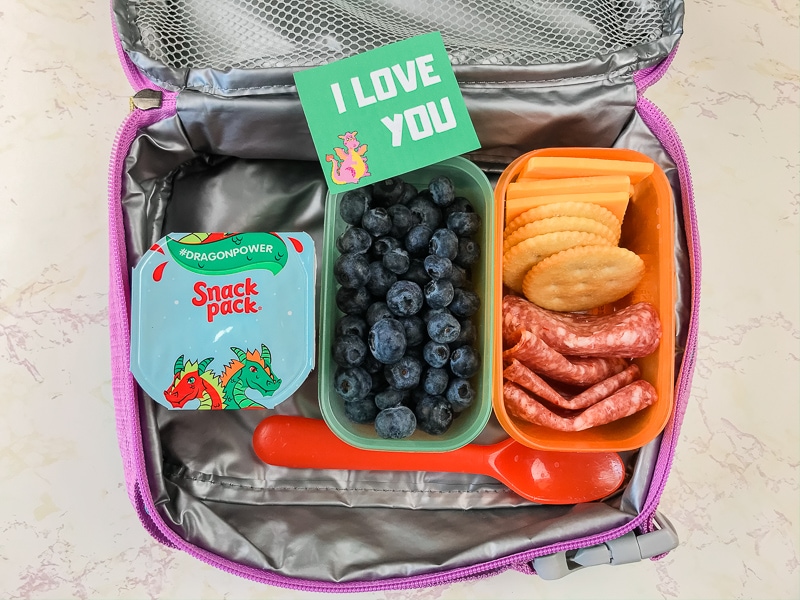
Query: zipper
x=665 y=132
x=147 y=99
x=162 y=103
x=124 y=389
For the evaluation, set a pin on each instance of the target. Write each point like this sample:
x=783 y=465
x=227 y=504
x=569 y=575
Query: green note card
x=385 y=112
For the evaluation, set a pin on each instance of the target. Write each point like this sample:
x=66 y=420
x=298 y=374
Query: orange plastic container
x=648 y=230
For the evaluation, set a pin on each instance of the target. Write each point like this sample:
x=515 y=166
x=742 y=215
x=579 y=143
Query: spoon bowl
x=540 y=476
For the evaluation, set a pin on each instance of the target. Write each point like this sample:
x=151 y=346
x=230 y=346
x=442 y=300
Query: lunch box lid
x=254 y=48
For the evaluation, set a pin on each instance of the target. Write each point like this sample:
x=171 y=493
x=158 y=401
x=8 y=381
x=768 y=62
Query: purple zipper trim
x=124 y=388
x=665 y=132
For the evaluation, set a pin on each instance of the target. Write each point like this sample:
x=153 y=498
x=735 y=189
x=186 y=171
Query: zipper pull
x=146 y=99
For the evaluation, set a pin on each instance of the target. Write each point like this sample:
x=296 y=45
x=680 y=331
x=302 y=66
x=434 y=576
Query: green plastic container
x=471 y=183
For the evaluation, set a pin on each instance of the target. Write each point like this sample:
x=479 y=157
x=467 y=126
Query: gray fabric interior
x=246 y=164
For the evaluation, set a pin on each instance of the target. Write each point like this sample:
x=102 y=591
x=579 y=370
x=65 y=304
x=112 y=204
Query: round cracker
x=561 y=223
x=520 y=258
x=583 y=278
x=588 y=210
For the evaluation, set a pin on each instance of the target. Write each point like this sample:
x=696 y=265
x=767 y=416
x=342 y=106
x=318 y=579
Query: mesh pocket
x=225 y=34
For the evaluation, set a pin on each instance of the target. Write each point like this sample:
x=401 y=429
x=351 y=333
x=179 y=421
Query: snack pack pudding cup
x=223 y=321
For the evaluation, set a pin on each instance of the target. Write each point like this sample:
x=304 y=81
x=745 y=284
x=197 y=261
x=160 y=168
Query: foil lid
x=223 y=321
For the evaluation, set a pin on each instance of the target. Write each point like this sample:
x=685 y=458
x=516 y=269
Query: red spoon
x=537 y=475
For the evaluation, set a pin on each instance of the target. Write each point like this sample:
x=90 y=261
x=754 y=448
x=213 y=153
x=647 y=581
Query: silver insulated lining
x=533 y=74
x=247 y=34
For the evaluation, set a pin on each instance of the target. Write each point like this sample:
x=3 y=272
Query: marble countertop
x=67 y=527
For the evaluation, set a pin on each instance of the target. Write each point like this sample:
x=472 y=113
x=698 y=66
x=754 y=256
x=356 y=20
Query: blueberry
x=435 y=381
x=362 y=410
x=379 y=382
x=465 y=362
x=425 y=212
x=354 y=240
x=380 y=279
x=464 y=223
x=418 y=239
x=397 y=261
x=434 y=414
x=468 y=252
x=390 y=397
x=353 y=301
x=377 y=222
x=444 y=243
x=439 y=293
x=442 y=190
x=403 y=374
x=414 y=352
x=349 y=350
x=460 y=394
x=443 y=327
x=387 y=340
x=438 y=267
x=376 y=312
x=465 y=303
x=416 y=273
x=383 y=245
x=435 y=354
x=388 y=191
x=415 y=330
x=354 y=204
x=395 y=423
x=350 y=325
x=429 y=313
x=351 y=270
x=467 y=336
x=372 y=365
x=459 y=204
x=459 y=277
x=402 y=220
x=409 y=193
x=352 y=384
x=404 y=298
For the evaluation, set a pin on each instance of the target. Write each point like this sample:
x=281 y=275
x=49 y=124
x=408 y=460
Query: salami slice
x=524 y=406
x=629 y=400
x=518 y=373
x=531 y=351
x=631 y=332
x=604 y=389
x=625 y=402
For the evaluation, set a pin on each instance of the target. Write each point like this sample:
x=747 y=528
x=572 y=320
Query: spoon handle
x=303 y=443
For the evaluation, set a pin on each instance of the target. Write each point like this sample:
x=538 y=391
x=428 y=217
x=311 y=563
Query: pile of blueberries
x=405 y=346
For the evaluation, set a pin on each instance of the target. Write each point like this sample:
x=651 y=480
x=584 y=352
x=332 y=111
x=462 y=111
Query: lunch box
x=217 y=141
